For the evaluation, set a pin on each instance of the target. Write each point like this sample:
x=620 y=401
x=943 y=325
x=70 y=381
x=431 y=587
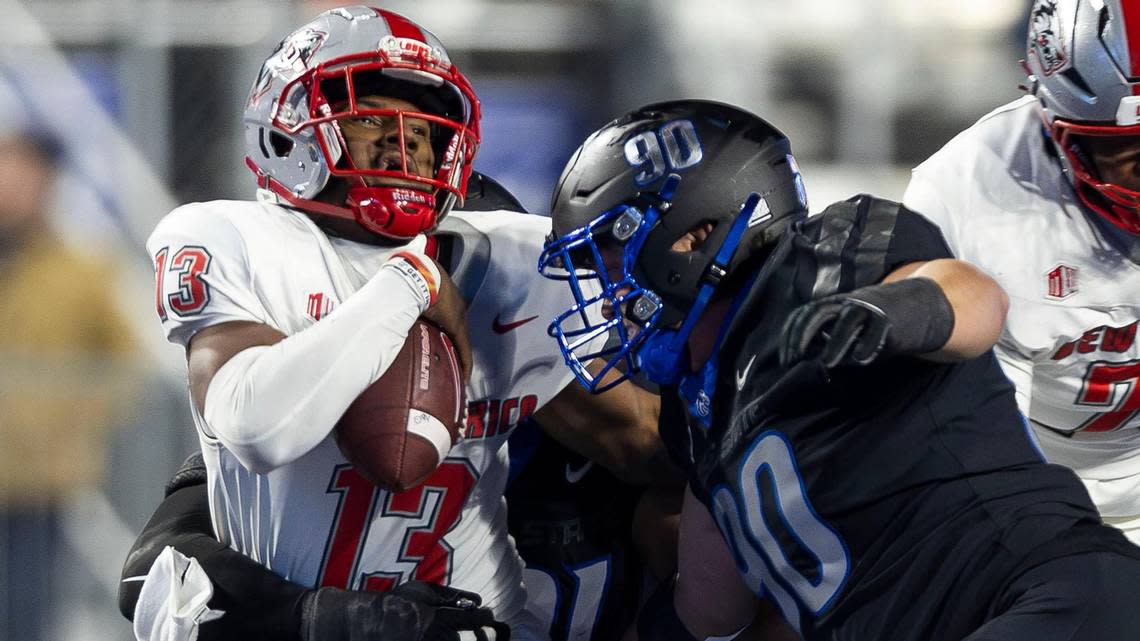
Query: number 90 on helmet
x=628 y=195
x=311 y=84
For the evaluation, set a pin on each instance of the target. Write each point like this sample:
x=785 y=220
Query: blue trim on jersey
x=557 y=594
x=573 y=570
x=778 y=505
x=521 y=446
x=815 y=515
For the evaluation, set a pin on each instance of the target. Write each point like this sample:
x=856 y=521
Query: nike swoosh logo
x=575 y=475
x=743 y=375
x=503 y=328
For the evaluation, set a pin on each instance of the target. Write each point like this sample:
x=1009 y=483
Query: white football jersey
x=315 y=520
x=1069 y=345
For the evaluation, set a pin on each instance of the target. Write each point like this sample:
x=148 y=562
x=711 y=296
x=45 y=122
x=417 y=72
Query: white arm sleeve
x=271 y=404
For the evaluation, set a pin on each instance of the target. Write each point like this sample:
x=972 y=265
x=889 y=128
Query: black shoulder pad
x=484 y=194
x=192 y=472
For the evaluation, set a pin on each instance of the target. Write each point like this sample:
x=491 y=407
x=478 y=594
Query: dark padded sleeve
x=915 y=239
x=259 y=605
x=192 y=472
x=857 y=242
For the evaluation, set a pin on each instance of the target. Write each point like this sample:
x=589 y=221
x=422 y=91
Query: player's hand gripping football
x=414 y=611
x=449 y=313
x=909 y=316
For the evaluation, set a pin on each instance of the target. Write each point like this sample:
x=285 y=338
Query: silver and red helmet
x=1084 y=64
x=314 y=78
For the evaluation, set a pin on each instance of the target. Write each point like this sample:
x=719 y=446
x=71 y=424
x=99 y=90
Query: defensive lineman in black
x=855 y=454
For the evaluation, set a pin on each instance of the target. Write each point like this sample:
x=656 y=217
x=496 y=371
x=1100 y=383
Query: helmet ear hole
x=282 y=146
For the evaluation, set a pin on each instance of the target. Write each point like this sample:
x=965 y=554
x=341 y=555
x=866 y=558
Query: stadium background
x=145 y=97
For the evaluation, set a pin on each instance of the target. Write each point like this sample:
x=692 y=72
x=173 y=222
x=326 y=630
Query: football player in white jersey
x=362 y=133
x=1044 y=195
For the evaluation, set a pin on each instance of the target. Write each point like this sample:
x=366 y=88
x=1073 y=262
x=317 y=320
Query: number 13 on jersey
x=781 y=546
x=188 y=265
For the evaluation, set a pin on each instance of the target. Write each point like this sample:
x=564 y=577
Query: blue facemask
x=594 y=328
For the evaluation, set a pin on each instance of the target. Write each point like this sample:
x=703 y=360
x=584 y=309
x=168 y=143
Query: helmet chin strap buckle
x=394 y=212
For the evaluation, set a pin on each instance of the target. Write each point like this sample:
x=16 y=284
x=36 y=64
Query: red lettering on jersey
x=159 y=272
x=1102 y=384
x=1064 y=351
x=476 y=426
x=354 y=510
x=526 y=407
x=1088 y=341
x=1119 y=339
x=1102 y=338
x=494 y=417
x=451 y=482
x=438 y=502
x=193 y=293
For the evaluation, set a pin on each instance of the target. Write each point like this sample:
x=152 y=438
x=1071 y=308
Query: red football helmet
x=315 y=79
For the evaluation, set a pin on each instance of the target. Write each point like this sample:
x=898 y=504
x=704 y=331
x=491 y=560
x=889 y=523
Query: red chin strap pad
x=395 y=212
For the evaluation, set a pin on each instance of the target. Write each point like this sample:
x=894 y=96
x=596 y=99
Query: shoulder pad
x=192 y=472
x=484 y=194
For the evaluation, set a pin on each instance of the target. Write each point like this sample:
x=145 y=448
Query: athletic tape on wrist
x=419 y=273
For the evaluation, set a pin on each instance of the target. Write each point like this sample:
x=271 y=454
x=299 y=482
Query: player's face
x=612 y=256
x=374 y=142
x=1116 y=159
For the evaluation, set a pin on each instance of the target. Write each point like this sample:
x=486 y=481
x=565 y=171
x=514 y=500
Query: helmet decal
x=398 y=47
x=291 y=57
x=1044 y=36
x=673 y=146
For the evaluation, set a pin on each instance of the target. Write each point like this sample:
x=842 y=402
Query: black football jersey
x=838 y=489
x=571 y=521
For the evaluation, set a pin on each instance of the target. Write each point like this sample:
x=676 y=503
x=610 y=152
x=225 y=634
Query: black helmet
x=646 y=179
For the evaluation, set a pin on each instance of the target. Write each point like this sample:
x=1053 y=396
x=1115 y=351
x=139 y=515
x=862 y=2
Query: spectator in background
x=63 y=351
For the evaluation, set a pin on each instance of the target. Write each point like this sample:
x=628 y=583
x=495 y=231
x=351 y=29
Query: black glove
x=909 y=316
x=414 y=611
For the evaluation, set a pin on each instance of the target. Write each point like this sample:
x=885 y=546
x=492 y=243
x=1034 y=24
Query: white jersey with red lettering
x=1069 y=345
x=315 y=520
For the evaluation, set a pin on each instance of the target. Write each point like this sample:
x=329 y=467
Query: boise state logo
x=1044 y=36
x=703 y=404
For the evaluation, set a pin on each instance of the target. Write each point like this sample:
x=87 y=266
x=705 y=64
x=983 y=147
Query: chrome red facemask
x=1117 y=204
x=397 y=211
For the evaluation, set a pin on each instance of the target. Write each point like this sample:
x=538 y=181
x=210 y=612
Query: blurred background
x=112 y=112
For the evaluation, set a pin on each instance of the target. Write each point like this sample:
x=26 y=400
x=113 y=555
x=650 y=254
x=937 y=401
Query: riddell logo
x=1061 y=282
x=425 y=357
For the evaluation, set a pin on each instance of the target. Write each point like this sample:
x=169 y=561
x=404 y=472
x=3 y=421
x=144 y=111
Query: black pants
x=1084 y=597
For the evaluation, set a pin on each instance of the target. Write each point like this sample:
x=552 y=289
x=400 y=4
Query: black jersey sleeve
x=258 y=603
x=858 y=241
x=914 y=239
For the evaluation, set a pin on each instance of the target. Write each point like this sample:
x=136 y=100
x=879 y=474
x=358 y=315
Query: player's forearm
x=979 y=305
x=271 y=404
x=259 y=604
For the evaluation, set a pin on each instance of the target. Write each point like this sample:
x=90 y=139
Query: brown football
x=401 y=427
